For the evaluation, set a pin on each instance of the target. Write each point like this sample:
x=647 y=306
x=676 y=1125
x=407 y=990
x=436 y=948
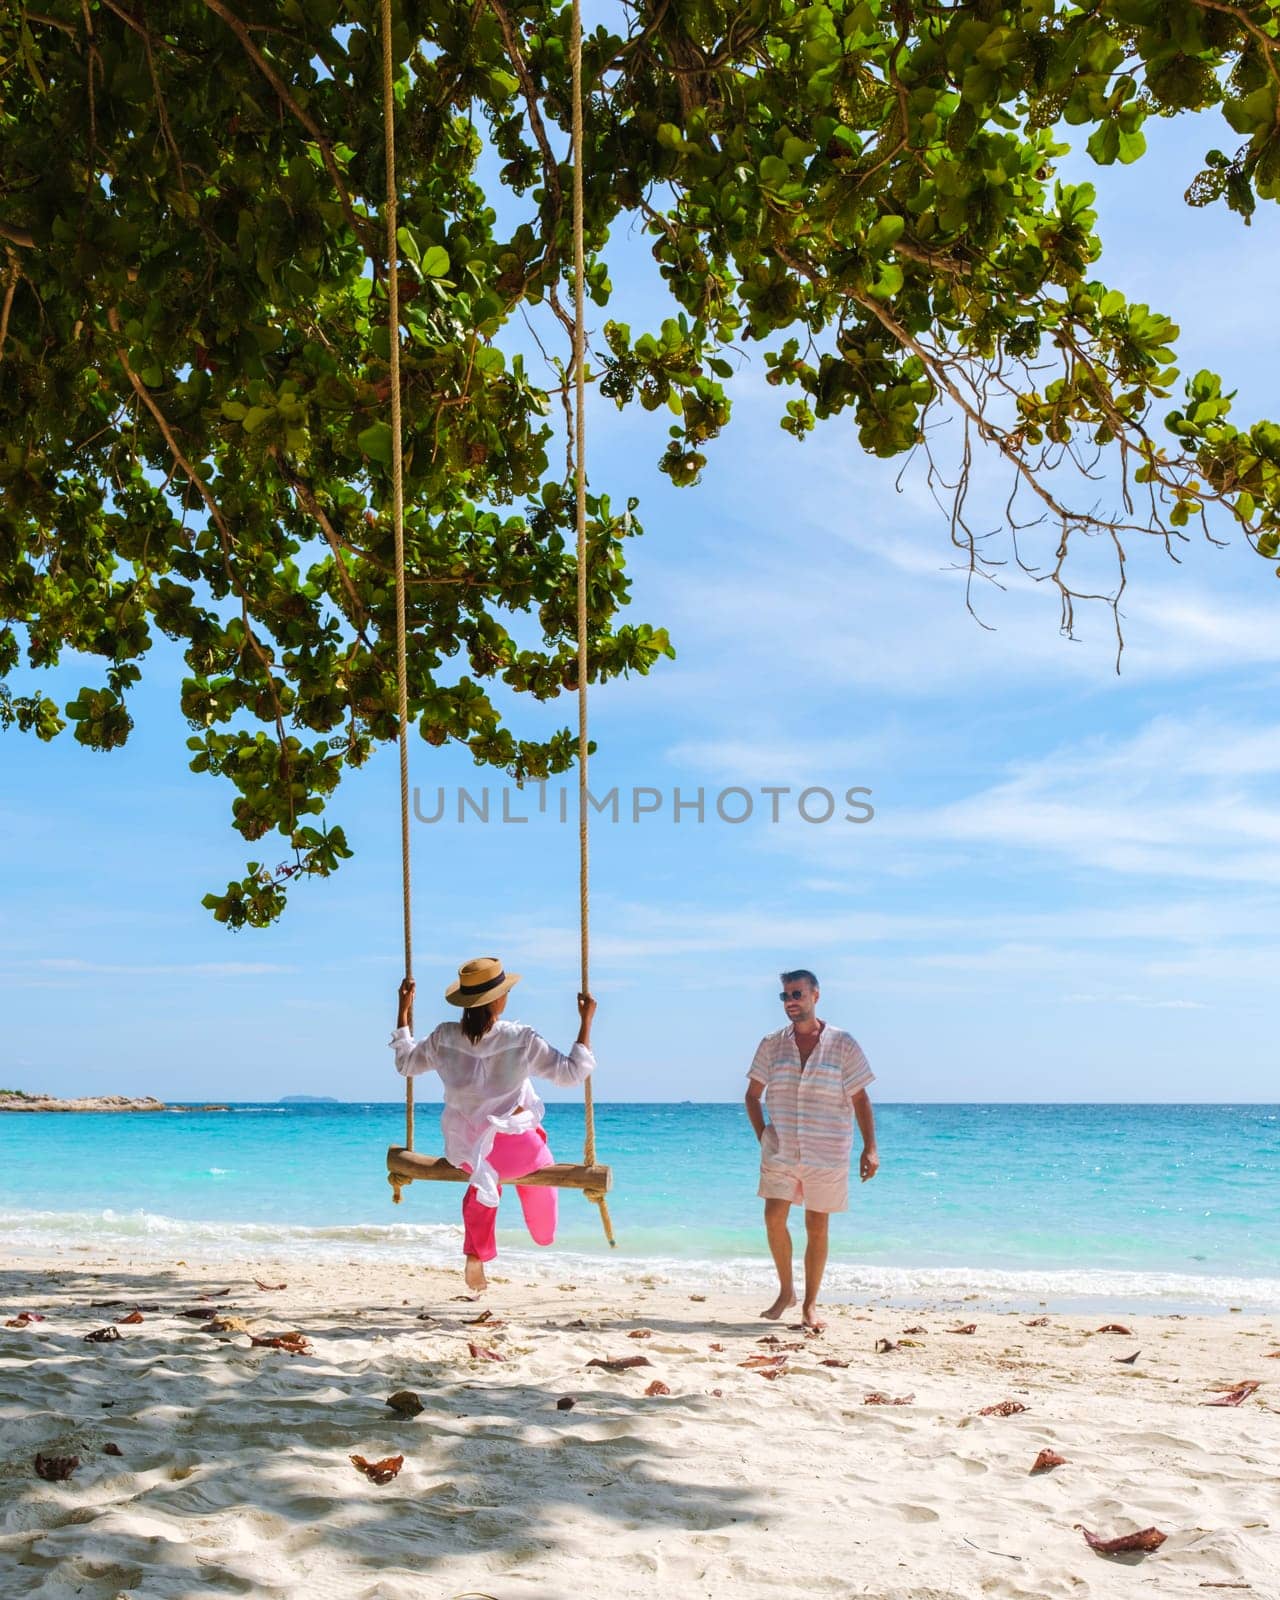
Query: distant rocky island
x=19 y=1100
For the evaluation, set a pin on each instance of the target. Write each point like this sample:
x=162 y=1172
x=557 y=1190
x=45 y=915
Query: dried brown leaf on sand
x=566 y=1402
x=1047 y=1460
x=657 y=1387
x=884 y=1347
x=292 y=1344
x=1116 y=1327
x=132 y=1320
x=619 y=1363
x=1236 y=1396
x=102 y=1335
x=698 y=1298
x=967 y=1327
x=833 y=1361
x=271 y=1288
x=716 y=1347
x=482 y=1352
x=112 y=1450
x=640 y=1333
x=405 y=1403
x=915 y=1330
x=469 y=1299
x=1037 y=1322
x=769 y=1338
x=55 y=1469
x=24 y=1319
x=1003 y=1408
x=876 y=1398
x=478 y=1322
x=764 y=1363
x=1146 y=1540
x=1126 y=1361
x=378 y=1471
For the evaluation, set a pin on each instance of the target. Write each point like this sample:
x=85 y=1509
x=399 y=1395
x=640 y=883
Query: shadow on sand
x=233 y=1475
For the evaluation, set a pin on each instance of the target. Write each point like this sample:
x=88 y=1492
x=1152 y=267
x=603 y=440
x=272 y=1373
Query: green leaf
x=375 y=442
x=255 y=417
x=885 y=234
x=1104 y=143
x=435 y=262
x=888 y=282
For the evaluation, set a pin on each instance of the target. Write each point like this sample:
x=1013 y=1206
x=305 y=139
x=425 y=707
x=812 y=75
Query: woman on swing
x=492 y=1118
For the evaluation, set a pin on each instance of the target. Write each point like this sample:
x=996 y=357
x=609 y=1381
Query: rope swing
x=404 y=1165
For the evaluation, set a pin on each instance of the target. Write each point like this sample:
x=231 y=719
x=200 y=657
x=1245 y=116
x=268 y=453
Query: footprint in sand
x=914 y=1513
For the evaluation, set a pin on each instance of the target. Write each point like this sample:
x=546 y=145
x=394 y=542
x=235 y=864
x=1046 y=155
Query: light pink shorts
x=814 y=1188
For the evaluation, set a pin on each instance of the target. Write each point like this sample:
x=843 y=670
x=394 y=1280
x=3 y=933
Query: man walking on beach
x=812 y=1076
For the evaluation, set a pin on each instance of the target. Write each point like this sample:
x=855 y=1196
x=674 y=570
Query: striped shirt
x=809 y=1106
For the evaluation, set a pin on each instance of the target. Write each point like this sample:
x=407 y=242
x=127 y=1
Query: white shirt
x=810 y=1104
x=485 y=1083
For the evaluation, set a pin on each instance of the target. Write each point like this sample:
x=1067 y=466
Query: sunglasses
x=792 y=994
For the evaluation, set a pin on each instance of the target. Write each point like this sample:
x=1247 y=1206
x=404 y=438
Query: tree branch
x=309 y=123
x=307 y=500
x=225 y=542
x=10 y=289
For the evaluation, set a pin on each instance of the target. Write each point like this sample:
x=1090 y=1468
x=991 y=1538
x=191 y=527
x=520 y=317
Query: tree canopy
x=194 y=354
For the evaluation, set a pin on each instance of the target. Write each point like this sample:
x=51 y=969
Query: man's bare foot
x=810 y=1320
x=784 y=1302
x=473 y=1272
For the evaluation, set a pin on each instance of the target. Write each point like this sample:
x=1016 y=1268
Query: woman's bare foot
x=784 y=1302
x=473 y=1272
x=810 y=1320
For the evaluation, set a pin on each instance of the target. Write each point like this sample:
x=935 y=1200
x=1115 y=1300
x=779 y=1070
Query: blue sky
x=1070 y=889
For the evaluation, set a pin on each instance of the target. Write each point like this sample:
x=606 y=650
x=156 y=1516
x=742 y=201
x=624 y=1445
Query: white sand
x=234 y=1477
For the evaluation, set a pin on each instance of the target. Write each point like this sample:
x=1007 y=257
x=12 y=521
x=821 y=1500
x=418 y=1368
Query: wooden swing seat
x=407 y=1166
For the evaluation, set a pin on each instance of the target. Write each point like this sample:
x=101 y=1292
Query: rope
x=597 y=1196
x=397 y=480
x=580 y=488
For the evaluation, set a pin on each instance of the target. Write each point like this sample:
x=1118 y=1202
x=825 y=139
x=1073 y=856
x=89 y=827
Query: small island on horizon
x=20 y=1100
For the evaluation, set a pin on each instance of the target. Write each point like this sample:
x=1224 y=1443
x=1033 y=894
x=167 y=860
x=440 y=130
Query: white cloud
x=72 y=966
x=1175 y=801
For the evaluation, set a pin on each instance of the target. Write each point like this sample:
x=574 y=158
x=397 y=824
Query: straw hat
x=479 y=982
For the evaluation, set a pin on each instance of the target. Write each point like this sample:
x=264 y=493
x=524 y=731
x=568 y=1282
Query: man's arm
x=755 y=1110
x=870 y=1163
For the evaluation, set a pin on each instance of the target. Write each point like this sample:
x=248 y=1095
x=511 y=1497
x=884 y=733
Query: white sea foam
x=145 y=1234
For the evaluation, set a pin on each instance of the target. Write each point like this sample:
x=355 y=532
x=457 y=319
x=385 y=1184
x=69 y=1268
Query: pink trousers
x=513 y=1155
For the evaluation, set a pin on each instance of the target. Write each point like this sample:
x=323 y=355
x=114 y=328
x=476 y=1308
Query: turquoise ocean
x=1173 y=1208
